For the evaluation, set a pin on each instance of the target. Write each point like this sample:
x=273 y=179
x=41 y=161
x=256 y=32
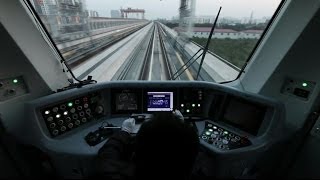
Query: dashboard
x=148 y=100
x=227 y=120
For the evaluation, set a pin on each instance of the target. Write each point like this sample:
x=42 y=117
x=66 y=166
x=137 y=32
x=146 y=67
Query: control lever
x=139 y=118
x=94 y=138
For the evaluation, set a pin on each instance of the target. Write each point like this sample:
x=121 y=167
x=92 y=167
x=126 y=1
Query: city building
x=44 y=7
x=93 y=13
x=229 y=20
x=115 y=14
x=203 y=19
x=61 y=16
x=203 y=32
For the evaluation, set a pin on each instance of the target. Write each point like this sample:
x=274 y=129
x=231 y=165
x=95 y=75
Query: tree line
x=236 y=27
x=236 y=51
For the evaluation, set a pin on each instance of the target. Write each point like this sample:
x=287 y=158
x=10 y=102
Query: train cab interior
x=265 y=123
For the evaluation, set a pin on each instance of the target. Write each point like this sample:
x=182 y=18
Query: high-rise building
x=115 y=14
x=93 y=13
x=61 y=16
x=44 y=7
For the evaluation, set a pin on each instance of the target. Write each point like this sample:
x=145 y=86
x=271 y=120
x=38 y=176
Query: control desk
x=229 y=122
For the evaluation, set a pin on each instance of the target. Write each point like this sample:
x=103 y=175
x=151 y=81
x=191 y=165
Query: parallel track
x=76 y=55
x=128 y=66
x=86 y=68
x=165 y=58
x=149 y=57
x=144 y=73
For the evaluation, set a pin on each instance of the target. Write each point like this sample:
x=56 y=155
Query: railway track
x=78 y=53
x=144 y=55
x=104 y=61
x=133 y=66
x=165 y=58
x=144 y=72
x=150 y=60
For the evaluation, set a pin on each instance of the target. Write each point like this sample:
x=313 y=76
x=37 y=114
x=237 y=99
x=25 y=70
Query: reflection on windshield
x=155 y=39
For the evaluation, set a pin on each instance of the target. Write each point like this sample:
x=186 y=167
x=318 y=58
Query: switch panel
x=12 y=87
x=191 y=102
x=70 y=114
x=301 y=89
x=315 y=131
x=223 y=139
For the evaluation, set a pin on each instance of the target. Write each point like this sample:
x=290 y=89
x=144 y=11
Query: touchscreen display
x=244 y=115
x=160 y=101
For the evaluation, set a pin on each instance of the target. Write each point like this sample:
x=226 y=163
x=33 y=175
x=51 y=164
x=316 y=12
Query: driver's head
x=166 y=147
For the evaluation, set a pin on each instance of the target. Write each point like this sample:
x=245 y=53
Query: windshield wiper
x=46 y=35
x=186 y=65
x=208 y=42
x=78 y=84
x=203 y=53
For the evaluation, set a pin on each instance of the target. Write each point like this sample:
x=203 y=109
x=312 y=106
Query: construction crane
x=126 y=12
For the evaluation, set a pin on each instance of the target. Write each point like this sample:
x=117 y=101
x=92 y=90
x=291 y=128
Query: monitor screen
x=160 y=101
x=126 y=101
x=244 y=115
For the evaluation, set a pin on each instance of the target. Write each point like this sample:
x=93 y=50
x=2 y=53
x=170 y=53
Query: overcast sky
x=169 y=8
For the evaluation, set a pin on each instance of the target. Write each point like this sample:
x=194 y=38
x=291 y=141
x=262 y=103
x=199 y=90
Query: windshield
x=155 y=39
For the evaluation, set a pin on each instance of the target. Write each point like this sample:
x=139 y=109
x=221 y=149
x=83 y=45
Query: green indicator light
x=208 y=133
x=15 y=81
x=188 y=110
x=304 y=84
x=70 y=104
x=193 y=105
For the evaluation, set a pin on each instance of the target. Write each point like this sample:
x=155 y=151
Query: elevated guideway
x=100 y=33
x=153 y=53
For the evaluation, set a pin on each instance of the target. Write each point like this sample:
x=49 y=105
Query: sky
x=169 y=8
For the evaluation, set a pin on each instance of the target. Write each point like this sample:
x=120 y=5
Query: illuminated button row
x=188 y=108
x=193 y=105
x=64 y=117
x=72 y=110
x=61 y=125
x=222 y=139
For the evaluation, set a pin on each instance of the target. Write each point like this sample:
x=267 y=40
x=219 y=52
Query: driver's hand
x=178 y=114
x=128 y=125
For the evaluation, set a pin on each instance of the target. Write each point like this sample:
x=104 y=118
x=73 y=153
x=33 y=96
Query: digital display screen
x=126 y=101
x=244 y=115
x=160 y=101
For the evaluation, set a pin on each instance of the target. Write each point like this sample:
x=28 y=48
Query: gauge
x=132 y=97
x=126 y=101
x=123 y=97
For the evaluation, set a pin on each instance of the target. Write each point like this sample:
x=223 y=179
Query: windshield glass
x=155 y=39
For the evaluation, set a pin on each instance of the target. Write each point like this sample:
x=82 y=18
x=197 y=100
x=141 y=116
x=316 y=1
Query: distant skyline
x=169 y=8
